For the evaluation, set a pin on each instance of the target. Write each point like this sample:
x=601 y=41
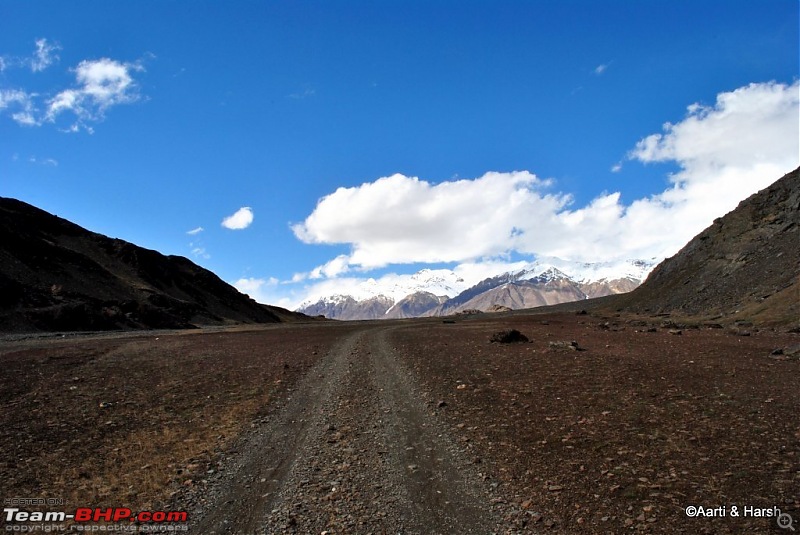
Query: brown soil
x=413 y=426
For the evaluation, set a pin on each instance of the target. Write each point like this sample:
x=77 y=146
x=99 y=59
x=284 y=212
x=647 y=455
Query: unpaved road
x=356 y=448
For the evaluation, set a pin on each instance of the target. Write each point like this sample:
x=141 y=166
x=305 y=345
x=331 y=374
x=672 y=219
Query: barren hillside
x=745 y=266
x=55 y=275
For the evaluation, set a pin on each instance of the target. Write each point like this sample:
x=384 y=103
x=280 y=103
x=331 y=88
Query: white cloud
x=102 y=83
x=303 y=94
x=333 y=268
x=616 y=168
x=99 y=85
x=20 y=104
x=261 y=290
x=240 y=219
x=195 y=231
x=399 y=219
x=50 y=162
x=200 y=252
x=600 y=69
x=45 y=55
x=724 y=152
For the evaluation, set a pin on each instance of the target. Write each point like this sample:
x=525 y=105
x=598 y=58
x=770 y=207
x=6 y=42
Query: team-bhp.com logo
x=82 y=515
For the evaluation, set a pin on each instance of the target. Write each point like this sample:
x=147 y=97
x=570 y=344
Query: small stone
x=565 y=345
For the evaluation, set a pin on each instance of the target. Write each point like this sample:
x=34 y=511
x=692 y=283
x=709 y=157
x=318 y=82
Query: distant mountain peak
x=440 y=291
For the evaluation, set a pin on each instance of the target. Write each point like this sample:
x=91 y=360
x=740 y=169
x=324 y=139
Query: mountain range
x=546 y=281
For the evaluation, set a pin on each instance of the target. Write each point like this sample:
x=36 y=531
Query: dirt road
x=356 y=448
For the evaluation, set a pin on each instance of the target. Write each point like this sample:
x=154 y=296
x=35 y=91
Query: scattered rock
x=565 y=345
x=498 y=308
x=792 y=351
x=508 y=336
x=740 y=332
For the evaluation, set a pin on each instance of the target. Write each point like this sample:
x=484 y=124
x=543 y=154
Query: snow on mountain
x=585 y=272
x=548 y=281
x=393 y=289
x=436 y=281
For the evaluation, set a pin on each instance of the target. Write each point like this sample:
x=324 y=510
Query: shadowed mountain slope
x=745 y=266
x=58 y=276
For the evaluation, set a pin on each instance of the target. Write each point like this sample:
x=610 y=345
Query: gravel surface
x=357 y=447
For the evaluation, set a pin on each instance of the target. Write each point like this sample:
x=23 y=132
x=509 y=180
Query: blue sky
x=443 y=133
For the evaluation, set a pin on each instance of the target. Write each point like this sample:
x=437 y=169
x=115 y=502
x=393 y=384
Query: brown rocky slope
x=745 y=266
x=58 y=276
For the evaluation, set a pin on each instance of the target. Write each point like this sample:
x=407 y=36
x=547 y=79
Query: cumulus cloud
x=240 y=219
x=400 y=219
x=725 y=152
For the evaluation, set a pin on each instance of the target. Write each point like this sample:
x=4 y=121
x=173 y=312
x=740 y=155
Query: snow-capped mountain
x=439 y=282
x=440 y=292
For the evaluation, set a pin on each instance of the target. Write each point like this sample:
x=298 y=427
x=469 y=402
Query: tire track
x=249 y=489
x=446 y=495
x=355 y=450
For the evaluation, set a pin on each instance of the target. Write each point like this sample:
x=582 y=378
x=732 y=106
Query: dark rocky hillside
x=58 y=276
x=745 y=266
